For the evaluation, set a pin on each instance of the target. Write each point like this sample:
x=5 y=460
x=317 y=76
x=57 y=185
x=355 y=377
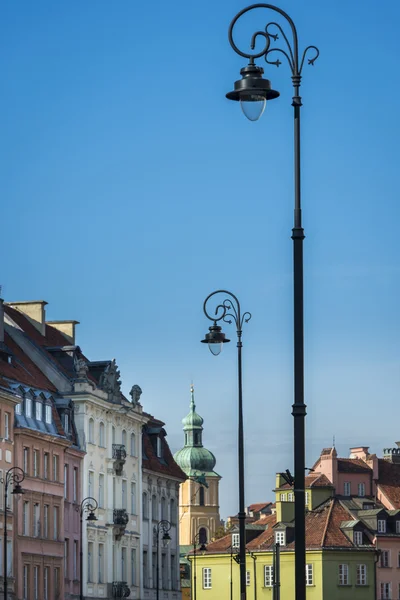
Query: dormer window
x=159 y=448
x=66 y=423
x=358 y=538
x=235 y=540
x=48 y=414
x=28 y=407
x=18 y=409
x=381 y=526
x=280 y=538
x=397 y=526
x=38 y=411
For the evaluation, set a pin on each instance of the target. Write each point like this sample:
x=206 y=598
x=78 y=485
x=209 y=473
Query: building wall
x=72 y=500
x=193 y=515
x=331 y=587
x=389 y=574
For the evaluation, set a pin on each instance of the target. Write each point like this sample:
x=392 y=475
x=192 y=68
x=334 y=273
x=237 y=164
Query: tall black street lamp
x=88 y=505
x=162 y=527
x=253 y=91
x=198 y=539
x=14 y=477
x=230 y=311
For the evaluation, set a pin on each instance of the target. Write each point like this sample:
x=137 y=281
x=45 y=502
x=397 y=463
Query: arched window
x=172 y=510
x=201 y=496
x=145 y=506
x=102 y=437
x=164 y=508
x=154 y=507
x=123 y=440
x=133 y=444
x=113 y=435
x=202 y=535
x=91 y=431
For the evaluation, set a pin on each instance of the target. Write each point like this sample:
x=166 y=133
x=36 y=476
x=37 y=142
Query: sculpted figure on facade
x=110 y=379
x=81 y=368
x=135 y=394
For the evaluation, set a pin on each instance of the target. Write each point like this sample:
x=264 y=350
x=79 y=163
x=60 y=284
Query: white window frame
x=159 y=448
x=36 y=519
x=56 y=523
x=347 y=488
x=207 y=579
x=248 y=578
x=358 y=538
x=381 y=526
x=344 y=578
x=282 y=497
x=306 y=498
x=310 y=574
x=48 y=414
x=38 y=411
x=6 y=426
x=65 y=481
x=290 y=497
x=361 y=490
x=235 y=540
x=28 y=407
x=362 y=574
x=385 y=559
x=386 y=590
x=18 y=409
x=268 y=575
x=280 y=538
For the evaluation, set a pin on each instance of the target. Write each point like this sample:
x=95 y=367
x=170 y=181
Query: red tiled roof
x=313 y=480
x=352 y=465
x=150 y=460
x=259 y=506
x=389 y=481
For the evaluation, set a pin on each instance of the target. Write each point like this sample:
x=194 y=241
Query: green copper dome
x=193 y=456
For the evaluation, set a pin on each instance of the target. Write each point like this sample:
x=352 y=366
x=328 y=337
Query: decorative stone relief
x=81 y=368
x=110 y=379
x=135 y=394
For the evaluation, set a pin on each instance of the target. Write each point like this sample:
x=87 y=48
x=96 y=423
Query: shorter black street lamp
x=88 y=505
x=14 y=477
x=198 y=538
x=162 y=527
x=230 y=311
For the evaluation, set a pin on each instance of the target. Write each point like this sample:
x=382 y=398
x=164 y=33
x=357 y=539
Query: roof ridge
x=327 y=523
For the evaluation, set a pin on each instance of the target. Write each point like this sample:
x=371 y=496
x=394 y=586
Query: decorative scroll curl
x=290 y=50
x=228 y=311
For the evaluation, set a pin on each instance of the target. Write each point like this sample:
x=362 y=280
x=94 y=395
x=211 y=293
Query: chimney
x=34 y=311
x=67 y=328
x=1 y=320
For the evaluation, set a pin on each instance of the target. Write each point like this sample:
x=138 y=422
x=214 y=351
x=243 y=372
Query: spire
x=192 y=403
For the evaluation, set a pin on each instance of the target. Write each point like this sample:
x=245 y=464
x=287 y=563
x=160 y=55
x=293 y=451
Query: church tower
x=199 y=494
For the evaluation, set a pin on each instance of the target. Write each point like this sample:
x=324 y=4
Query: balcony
x=120 y=589
x=119 y=456
x=120 y=521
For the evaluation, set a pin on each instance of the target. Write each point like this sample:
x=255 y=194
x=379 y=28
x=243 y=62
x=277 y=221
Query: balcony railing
x=120 y=589
x=119 y=456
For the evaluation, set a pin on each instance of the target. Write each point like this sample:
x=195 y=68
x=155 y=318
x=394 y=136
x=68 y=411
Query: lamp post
x=197 y=538
x=88 y=505
x=162 y=526
x=230 y=311
x=252 y=91
x=14 y=477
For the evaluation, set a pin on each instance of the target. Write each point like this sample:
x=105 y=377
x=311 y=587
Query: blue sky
x=132 y=189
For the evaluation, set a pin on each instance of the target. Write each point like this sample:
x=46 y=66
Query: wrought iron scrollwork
x=228 y=311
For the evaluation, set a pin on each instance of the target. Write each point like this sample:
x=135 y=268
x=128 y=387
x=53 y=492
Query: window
x=173 y=573
x=347 y=488
x=6 y=426
x=361 y=574
x=48 y=414
x=26 y=582
x=28 y=407
x=46 y=576
x=201 y=496
x=65 y=481
x=343 y=574
x=381 y=526
x=361 y=489
x=202 y=535
x=113 y=435
x=66 y=423
x=46 y=465
x=36 y=461
x=133 y=566
x=123 y=563
x=55 y=522
x=123 y=438
x=145 y=506
x=283 y=497
x=159 y=448
x=154 y=511
x=235 y=540
x=90 y=484
x=133 y=445
x=55 y=467
x=164 y=572
x=101 y=491
x=306 y=498
x=90 y=563
x=398 y=528
x=57 y=581
x=280 y=538
x=46 y=521
x=9 y=558
x=35 y=583
x=154 y=567
x=309 y=575
x=75 y=485
x=145 y=570
x=124 y=495
x=25 y=519
x=66 y=550
x=91 y=431
x=163 y=508
x=102 y=437
x=358 y=538
x=18 y=409
x=206 y=578
x=38 y=412
x=172 y=510
x=290 y=497
x=75 y=562
x=133 y=498
x=268 y=575
x=26 y=461
x=247 y=577
x=101 y=563
x=36 y=520
x=385 y=558
x=386 y=591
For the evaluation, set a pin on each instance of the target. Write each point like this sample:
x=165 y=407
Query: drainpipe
x=254 y=557
x=377 y=557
